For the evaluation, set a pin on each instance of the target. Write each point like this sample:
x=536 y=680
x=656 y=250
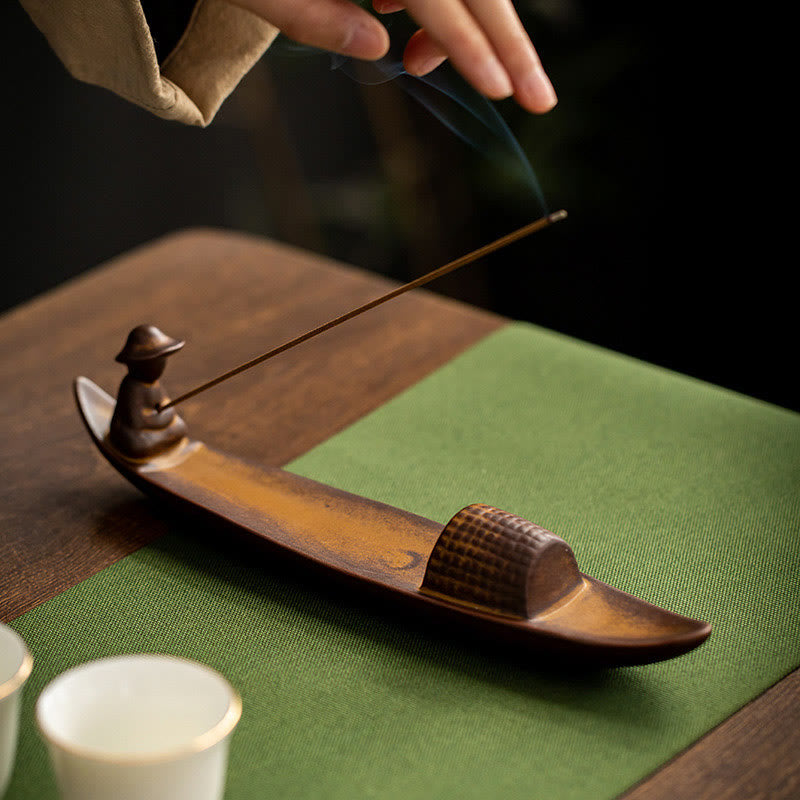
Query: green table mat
x=674 y=490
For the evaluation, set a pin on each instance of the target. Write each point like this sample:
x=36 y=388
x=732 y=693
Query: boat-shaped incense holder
x=487 y=569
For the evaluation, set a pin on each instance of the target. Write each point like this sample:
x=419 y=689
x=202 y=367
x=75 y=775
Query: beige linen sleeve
x=108 y=43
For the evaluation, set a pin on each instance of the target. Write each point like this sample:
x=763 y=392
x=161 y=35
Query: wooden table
x=55 y=486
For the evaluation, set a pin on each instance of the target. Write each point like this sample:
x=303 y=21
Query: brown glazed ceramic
x=500 y=562
x=499 y=575
x=139 y=430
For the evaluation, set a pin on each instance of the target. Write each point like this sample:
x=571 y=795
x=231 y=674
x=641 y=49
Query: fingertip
x=424 y=67
x=387 y=6
x=535 y=92
x=492 y=79
x=369 y=41
x=422 y=55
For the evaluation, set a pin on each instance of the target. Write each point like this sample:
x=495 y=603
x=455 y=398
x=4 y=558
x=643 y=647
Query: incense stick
x=503 y=241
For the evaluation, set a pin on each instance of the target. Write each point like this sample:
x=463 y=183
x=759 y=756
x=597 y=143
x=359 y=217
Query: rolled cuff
x=108 y=43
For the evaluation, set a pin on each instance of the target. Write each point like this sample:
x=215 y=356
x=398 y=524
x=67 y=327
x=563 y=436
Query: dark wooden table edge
x=740 y=757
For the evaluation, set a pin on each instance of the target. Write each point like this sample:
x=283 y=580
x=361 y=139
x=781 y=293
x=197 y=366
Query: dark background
x=669 y=253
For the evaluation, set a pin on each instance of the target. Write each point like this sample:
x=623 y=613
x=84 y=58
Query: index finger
x=513 y=46
x=487 y=43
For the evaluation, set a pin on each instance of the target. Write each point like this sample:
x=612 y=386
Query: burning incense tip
x=557 y=215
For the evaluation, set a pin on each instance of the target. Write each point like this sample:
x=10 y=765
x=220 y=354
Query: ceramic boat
x=487 y=570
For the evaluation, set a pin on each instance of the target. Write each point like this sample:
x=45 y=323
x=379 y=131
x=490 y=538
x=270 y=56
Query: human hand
x=484 y=40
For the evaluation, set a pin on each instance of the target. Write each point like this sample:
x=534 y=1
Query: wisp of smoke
x=467 y=113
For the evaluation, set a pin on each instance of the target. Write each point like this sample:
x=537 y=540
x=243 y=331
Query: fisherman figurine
x=139 y=430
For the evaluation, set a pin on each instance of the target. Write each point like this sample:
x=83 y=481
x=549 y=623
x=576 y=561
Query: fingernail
x=496 y=82
x=429 y=66
x=538 y=91
x=366 y=42
x=387 y=6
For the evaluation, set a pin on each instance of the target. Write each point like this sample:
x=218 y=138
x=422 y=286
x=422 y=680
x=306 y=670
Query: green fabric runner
x=674 y=490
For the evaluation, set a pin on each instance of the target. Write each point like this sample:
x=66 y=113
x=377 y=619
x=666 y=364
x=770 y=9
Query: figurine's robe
x=138 y=430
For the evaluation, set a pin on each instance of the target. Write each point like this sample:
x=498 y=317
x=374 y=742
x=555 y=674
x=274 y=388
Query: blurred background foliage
x=655 y=259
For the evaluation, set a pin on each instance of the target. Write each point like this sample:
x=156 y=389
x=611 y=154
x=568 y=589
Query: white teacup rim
x=197 y=744
x=15 y=681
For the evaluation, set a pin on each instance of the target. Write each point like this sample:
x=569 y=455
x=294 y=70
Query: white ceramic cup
x=139 y=727
x=15 y=667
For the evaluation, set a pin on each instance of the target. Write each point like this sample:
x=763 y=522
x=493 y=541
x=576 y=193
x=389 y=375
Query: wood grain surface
x=64 y=514
x=753 y=755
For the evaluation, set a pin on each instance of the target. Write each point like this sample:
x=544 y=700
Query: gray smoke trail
x=444 y=93
x=466 y=112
